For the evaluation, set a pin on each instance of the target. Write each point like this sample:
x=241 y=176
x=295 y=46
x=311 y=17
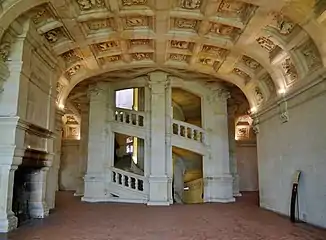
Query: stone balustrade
x=130 y=117
x=128 y=180
x=188 y=131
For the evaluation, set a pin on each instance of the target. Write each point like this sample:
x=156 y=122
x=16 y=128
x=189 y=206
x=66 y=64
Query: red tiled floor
x=74 y=220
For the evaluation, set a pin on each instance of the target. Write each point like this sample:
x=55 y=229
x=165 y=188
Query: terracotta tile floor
x=243 y=220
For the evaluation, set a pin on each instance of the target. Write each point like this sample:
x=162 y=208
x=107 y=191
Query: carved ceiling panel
x=220 y=37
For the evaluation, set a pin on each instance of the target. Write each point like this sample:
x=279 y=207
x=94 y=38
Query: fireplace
x=21 y=194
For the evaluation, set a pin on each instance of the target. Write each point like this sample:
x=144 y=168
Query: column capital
x=158 y=79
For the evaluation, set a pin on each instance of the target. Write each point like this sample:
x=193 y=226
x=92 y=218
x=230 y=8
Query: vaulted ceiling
x=261 y=46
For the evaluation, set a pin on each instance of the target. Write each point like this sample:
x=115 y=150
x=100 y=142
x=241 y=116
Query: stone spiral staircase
x=131 y=185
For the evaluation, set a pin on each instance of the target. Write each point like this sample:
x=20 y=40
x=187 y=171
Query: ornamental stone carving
x=268 y=81
x=139 y=42
x=54 y=35
x=259 y=96
x=59 y=87
x=218 y=52
x=98 y=24
x=178 y=57
x=251 y=63
x=311 y=55
x=255 y=124
x=242 y=74
x=136 y=21
x=133 y=2
x=284 y=114
x=186 y=23
x=5 y=51
x=71 y=56
x=179 y=44
x=141 y=56
x=42 y=15
x=289 y=70
x=105 y=46
x=206 y=61
x=222 y=29
x=231 y=8
x=190 y=4
x=85 y=5
x=73 y=70
x=266 y=43
x=113 y=58
x=283 y=24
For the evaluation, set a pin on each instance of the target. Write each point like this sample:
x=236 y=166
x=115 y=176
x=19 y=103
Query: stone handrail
x=188 y=131
x=130 y=117
x=128 y=180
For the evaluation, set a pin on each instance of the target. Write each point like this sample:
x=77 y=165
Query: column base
x=38 y=210
x=8 y=223
x=219 y=189
x=158 y=191
x=236 y=188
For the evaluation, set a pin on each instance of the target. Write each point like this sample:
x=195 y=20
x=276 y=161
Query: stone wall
x=246 y=155
x=298 y=144
x=69 y=172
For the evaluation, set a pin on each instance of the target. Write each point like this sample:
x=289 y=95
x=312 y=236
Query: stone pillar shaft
x=83 y=151
x=217 y=177
x=37 y=186
x=100 y=145
x=158 y=179
x=233 y=156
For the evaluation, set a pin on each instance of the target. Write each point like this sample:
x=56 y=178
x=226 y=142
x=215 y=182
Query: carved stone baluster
x=193 y=134
x=129 y=181
x=137 y=119
x=136 y=183
x=123 y=180
x=179 y=129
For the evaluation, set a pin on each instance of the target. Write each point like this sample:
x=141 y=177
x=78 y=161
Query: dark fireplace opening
x=21 y=194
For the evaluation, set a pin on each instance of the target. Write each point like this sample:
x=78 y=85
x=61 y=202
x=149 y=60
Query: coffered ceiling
x=261 y=46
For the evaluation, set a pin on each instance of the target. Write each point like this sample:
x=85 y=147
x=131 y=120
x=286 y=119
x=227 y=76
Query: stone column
x=53 y=174
x=37 y=187
x=83 y=150
x=8 y=221
x=158 y=180
x=100 y=145
x=216 y=170
x=233 y=156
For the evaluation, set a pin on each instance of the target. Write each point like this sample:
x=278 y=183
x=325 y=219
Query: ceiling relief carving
x=218 y=52
x=141 y=56
x=283 y=24
x=130 y=3
x=242 y=74
x=4 y=50
x=266 y=43
x=180 y=44
x=43 y=15
x=259 y=96
x=136 y=22
x=251 y=63
x=178 y=57
x=290 y=71
x=224 y=30
x=190 y=4
x=71 y=56
x=56 y=35
x=87 y=5
x=235 y=9
x=73 y=71
x=268 y=81
x=311 y=55
x=208 y=36
x=99 y=24
x=184 y=23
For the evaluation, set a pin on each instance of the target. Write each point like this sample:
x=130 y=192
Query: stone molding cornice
x=293 y=99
